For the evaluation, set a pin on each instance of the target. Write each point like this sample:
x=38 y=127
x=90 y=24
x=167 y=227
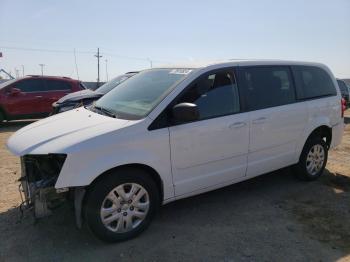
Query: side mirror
x=14 y=91
x=185 y=112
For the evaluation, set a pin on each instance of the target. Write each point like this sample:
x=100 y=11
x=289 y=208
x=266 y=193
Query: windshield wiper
x=105 y=111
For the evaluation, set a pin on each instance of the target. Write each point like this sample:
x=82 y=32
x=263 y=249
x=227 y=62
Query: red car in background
x=32 y=96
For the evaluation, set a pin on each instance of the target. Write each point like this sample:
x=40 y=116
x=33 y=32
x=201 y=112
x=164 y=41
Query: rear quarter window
x=312 y=82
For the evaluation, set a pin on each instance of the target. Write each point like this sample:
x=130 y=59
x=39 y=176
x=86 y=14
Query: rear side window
x=215 y=95
x=267 y=86
x=57 y=85
x=31 y=85
x=312 y=82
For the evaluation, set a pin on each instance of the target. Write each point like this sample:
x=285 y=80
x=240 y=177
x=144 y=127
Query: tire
x=2 y=117
x=311 y=163
x=103 y=198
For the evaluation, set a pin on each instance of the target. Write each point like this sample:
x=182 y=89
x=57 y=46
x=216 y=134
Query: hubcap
x=125 y=207
x=315 y=160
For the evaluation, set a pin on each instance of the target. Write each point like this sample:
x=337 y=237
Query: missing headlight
x=43 y=169
x=39 y=175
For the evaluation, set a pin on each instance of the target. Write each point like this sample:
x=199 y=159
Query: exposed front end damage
x=39 y=175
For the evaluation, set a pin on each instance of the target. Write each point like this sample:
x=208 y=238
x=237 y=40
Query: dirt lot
x=271 y=218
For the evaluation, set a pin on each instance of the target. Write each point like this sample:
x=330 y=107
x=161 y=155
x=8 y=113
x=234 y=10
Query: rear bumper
x=337 y=134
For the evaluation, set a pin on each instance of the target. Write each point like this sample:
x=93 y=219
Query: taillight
x=343 y=107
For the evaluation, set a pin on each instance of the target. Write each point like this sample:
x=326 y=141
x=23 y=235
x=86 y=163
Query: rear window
x=268 y=86
x=57 y=85
x=313 y=82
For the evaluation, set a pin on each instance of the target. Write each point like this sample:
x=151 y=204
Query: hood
x=58 y=133
x=76 y=96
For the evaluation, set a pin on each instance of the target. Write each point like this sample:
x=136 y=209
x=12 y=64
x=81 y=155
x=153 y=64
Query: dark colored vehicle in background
x=345 y=91
x=87 y=97
x=32 y=96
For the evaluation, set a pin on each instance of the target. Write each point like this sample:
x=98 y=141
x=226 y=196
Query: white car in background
x=170 y=133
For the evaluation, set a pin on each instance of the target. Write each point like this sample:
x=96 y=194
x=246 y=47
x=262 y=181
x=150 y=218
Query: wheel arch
x=81 y=193
x=151 y=171
x=322 y=131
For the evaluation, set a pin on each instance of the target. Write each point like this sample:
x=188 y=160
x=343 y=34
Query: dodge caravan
x=170 y=133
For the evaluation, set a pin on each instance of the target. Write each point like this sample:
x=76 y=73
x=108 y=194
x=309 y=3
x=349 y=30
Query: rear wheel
x=121 y=205
x=313 y=159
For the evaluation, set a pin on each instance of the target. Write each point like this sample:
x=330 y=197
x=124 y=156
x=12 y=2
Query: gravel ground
x=270 y=218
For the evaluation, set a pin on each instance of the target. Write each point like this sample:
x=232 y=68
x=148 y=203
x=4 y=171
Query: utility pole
x=98 y=66
x=106 y=70
x=76 y=64
x=17 y=72
x=42 y=69
x=150 y=61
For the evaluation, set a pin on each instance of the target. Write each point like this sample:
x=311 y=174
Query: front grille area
x=39 y=175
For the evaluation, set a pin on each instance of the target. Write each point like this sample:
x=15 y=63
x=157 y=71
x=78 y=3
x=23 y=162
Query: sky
x=131 y=34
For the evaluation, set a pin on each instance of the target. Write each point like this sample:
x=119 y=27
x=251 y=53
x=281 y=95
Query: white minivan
x=169 y=133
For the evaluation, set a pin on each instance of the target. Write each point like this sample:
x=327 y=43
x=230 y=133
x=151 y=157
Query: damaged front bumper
x=39 y=174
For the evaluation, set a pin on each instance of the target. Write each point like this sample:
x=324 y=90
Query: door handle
x=237 y=125
x=259 y=120
x=38 y=96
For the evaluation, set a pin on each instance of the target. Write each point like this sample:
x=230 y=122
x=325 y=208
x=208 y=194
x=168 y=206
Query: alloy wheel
x=125 y=207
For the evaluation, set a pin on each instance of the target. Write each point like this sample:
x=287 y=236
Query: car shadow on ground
x=271 y=217
x=13 y=126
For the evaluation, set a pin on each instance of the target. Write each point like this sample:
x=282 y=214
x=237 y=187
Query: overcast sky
x=129 y=33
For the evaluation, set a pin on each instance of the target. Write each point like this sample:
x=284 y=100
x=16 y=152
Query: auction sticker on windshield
x=182 y=71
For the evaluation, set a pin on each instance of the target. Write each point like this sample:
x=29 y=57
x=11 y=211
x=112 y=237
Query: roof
x=237 y=62
x=52 y=77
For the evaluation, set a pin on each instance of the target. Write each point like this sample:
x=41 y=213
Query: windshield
x=137 y=97
x=105 y=88
x=6 y=83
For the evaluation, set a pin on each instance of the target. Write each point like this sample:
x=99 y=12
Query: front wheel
x=313 y=159
x=121 y=205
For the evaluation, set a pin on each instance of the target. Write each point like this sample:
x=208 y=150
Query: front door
x=213 y=150
x=29 y=100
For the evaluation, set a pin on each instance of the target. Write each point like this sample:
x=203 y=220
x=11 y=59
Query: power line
x=43 y=50
x=81 y=52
